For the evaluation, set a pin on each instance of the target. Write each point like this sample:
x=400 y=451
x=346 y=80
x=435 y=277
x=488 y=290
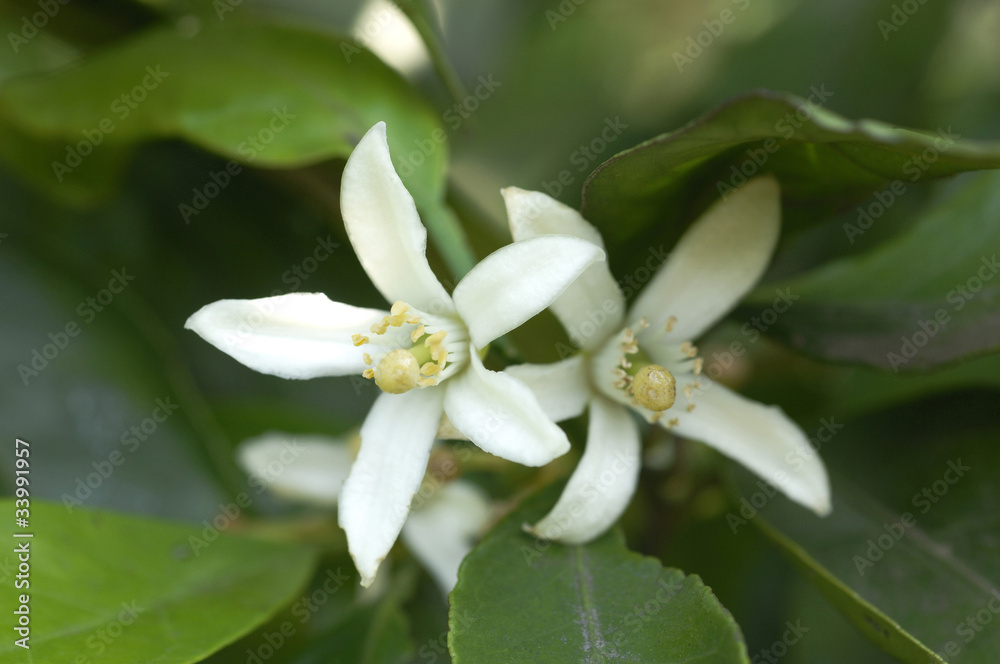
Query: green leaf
x=824 y=162
x=274 y=96
x=369 y=635
x=520 y=599
x=926 y=297
x=912 y=565
x=121 y=589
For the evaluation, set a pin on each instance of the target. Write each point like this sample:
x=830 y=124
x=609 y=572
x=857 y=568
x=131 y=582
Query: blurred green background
x=560 y=73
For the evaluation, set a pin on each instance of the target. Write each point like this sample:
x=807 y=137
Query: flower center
x=417 y=364
x=397 y=372
x=652 y=386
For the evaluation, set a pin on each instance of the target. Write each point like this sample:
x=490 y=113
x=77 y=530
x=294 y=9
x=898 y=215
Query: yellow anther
x=367 y=358
x=368 y=373
x=688 y=391
x=672 y=422
x=430 y=369
x=690 y=407
x=656 y=417
x=380 y=328
x=670 y=323
x=397 y=372
x=399 y=308
x=624 y=363
x=359 y=340
x=643 y=323
x=417 y=333
x=654 y=388
x=689 y=349
x=435 y=343
x=427 y=382
x=628 y=344
x=698 y=364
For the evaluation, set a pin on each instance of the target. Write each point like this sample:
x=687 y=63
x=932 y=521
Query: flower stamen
x=402 y=369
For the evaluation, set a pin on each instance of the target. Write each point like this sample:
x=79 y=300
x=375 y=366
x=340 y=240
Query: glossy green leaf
x=824 y=161
x=928 y=296
x=909 y=552
x=520 y=599
x=120 y=589
x=268 y=95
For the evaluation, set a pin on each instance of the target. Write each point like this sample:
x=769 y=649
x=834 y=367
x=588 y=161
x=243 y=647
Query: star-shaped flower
x=441 y=529
x=424 y=353
x=650 y=364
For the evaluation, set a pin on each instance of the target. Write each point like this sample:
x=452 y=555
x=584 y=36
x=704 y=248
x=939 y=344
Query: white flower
x=423 y=353
x=440 y=531
x=650 y=364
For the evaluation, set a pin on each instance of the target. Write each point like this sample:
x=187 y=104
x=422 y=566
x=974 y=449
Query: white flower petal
x=307 y=468
x=385 y=230
x=517 y=281
x=396 y=440
x=604 y=481
x=299 y=335
x=762 y=438
x=501 y=415
x=442 y=532
x=602 y=368
x=716 y=262
x=592 y=307
x=562 y=388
